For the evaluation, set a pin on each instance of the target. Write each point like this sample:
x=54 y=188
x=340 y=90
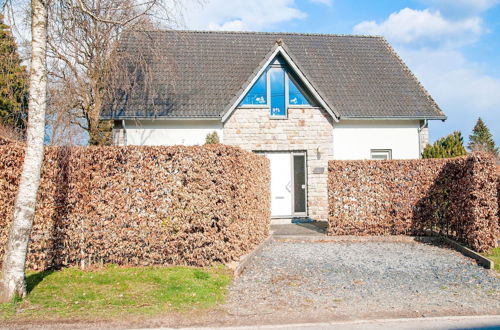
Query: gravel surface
x=307 y=282
x=362 y=280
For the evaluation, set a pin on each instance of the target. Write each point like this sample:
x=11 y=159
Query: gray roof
x=199 y=74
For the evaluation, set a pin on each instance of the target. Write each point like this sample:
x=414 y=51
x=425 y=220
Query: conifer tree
x=212 y=138
x=481 y=139
x=13 y=82
x=446 y=147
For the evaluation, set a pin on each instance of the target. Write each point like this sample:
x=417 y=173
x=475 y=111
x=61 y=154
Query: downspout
x=419 y=138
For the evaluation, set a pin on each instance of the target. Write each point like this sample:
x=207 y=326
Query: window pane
x=295 y=96
x=257 y=94
x=381 y=154
x=277 y=78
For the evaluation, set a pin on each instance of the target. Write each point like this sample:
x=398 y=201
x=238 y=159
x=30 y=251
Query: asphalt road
x=487 y=322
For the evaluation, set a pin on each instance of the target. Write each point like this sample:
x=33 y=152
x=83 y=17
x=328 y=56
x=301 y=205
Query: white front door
x=281 y=183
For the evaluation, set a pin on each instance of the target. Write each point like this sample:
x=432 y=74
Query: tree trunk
x=13 y=277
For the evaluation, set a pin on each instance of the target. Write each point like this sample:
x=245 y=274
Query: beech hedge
x=4 y=141
x=141 y=205
x=456 y=197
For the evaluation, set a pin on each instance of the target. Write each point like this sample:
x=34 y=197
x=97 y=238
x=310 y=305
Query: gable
x=297 y=94
x=200 y=74
x=261 y=79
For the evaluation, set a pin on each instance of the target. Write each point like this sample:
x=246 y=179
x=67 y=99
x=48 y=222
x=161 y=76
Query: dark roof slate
x=198 y=74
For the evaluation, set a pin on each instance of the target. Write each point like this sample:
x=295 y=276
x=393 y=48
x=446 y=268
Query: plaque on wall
x=318 y=170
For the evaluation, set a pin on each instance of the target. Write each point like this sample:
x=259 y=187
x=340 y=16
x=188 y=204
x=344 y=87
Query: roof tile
x=197 y=73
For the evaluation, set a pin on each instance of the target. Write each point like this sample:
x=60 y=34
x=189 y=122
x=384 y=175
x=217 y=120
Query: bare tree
x=13 y=277
x=81 y=56
x=84 y=61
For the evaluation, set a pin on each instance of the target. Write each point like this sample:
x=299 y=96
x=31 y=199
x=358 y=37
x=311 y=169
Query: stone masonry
x=305 y=129
x=423 y=137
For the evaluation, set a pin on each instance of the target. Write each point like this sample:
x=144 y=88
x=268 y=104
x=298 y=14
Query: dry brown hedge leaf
x=141 y=205
x=456 y=197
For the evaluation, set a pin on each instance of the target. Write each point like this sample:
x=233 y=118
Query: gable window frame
x=381 y=152
x=277 y=64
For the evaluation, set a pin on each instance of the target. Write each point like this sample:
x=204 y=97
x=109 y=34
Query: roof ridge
x=262 y=33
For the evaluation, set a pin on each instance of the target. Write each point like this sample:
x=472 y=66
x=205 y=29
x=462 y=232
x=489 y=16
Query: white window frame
x=285 y=116
x=381 y=152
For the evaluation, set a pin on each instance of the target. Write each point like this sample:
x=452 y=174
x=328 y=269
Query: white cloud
x=467 y=7
x=410 y=25
x=236 y=25
x=462 y=88
x=242 y=15
x=430 y=42
x=455 y=81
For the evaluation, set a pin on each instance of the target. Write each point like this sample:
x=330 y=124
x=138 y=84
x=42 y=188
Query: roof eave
x=160 y=118
x=443 y=118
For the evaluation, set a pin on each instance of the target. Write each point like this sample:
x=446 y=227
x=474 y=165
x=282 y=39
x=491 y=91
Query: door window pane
x=257 y=95
x=299 y=184
x=277 y=79
x=295 y=96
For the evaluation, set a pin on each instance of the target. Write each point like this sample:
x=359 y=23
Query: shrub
x=141 y=205
x=456 y=197
x=212 y=138
x=446 y=147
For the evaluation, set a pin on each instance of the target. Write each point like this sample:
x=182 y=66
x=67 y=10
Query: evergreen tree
x=481 y=139
x=13 y=81
x=212 y=138
x=446 y=147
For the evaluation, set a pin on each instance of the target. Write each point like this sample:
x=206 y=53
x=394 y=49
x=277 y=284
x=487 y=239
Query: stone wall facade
x=423 y=137
x=119 y=134
x=305 y=129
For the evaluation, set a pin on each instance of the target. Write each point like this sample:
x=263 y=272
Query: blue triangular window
x=276 y=88
x=257 y=95
x=295 y=96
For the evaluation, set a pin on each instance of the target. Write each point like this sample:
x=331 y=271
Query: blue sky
x=452 y=46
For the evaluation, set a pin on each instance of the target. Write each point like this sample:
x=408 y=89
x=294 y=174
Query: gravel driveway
x=302 y=281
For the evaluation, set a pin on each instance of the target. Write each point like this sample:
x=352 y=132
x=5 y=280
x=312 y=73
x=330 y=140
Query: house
x=299 y=99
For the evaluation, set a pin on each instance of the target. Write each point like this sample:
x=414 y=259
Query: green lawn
x=494 y=255
x=115 y=291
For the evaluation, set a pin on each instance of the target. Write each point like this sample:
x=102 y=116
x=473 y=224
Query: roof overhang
x=159 y=118
x=278 y=49
x=443 y=118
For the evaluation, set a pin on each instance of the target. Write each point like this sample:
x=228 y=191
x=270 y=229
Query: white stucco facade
x=354 y=139
x=351 y=139
x=167 y=132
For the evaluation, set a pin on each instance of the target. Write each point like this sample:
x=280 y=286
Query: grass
x=115 y=291
x=494 y=255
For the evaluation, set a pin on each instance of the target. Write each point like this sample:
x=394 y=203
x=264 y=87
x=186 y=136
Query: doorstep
x=312 y=229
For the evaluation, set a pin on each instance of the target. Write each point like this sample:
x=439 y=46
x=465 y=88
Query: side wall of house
x=165 y=132
x=308 y=129
x=354 y=139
